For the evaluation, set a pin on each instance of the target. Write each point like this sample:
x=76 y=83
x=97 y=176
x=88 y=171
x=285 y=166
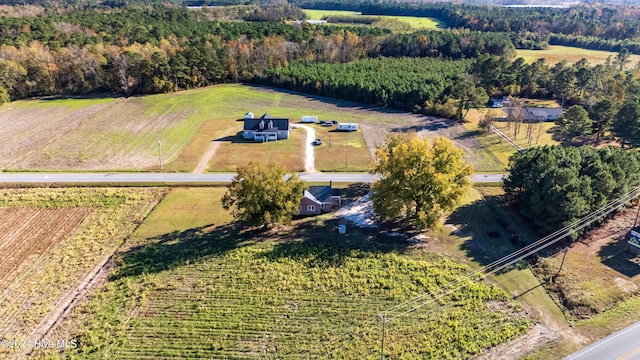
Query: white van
x=347 y=127
x=309 y=119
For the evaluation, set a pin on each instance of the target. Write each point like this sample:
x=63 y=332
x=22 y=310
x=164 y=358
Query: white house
x=265 y=128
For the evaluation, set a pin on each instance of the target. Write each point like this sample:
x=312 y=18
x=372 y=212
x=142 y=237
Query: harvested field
x=56 y=238
x=122 y=134
x=28 y=233
x=89 y=134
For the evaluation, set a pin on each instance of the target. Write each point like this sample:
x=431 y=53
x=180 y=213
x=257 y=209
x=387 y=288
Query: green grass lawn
x=341 y=151
x=188 y=286
x=555 y=53
x=236 y=152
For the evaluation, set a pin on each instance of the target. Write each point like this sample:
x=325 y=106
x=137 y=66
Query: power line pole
x=346 y=155
x=384 y=321
x=566 y=250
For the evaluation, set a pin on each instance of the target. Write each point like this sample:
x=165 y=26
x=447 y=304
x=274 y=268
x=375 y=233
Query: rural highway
x=622 y=345
x=188 y=178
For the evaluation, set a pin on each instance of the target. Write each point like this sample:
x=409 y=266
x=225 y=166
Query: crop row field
x=190 y=285
x=52 y=240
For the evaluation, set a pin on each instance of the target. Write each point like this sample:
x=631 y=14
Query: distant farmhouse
x=265 y=128
x=319 y=199
x=534 y=114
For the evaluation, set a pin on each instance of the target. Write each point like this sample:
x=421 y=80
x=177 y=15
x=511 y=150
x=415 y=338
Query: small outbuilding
x=309 y=119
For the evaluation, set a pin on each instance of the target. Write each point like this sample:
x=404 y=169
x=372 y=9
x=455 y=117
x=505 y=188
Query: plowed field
x=27 y=233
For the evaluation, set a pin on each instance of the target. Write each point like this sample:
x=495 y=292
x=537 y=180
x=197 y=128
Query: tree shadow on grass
x=318 y=244
x=430 y=124
x=488 y=237
x=179 y=248
x=616 y=256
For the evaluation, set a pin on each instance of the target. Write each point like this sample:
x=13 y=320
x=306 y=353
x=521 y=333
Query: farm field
x=122 y=134
x=193 y=286
x=413 y=21
x=57 y=240
x=556 y=53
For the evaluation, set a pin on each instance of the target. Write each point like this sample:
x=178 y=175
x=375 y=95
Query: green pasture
x=556 y=53
x=193 y=286
x=414 y=22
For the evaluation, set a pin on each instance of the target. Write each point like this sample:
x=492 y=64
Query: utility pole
x=384 y=321
x=160 y=152
x=635 y=223
x=346 y=155
x=566 y=250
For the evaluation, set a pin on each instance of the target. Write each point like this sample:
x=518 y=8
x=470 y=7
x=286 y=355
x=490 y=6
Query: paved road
x=623 y=345
x=184 y=178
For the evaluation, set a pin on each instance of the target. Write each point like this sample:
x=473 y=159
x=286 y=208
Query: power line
x=497 y=265
x=516 y=256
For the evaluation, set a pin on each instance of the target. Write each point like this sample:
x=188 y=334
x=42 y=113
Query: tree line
x=396 y=82
x=554 y=186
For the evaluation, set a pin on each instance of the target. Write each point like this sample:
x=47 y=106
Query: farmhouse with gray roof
x=319 y=199
x=265 y=128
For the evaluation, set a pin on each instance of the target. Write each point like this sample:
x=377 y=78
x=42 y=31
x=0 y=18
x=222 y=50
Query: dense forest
x=602 y=27
x=555 y=186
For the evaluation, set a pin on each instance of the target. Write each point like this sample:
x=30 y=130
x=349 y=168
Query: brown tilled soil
x=27 y=233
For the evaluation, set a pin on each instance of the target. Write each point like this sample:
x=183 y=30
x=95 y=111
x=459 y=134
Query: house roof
x=277 y=124
x=319 y=193
x=533 y=112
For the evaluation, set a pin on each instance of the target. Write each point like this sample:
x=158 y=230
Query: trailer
x=309 y=119
x=347 y=127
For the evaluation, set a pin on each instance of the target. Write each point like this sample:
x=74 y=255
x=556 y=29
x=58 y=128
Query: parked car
x=318 y=141
x=327 y=123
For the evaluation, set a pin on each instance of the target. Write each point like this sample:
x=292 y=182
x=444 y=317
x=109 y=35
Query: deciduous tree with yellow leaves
x=421 y=180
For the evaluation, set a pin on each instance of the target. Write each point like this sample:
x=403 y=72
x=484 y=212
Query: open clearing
x=123 y=134
x=415 y=22
x=556 y=53
x=52 y=239
x=189 y=285
x=541 y=134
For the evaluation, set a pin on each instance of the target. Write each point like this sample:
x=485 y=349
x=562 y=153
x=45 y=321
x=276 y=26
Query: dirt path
x=202 y=165
x=309 y=157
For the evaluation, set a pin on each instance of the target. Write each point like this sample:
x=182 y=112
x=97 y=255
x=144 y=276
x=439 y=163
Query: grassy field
x=61 y=235
x=412 y=21
x=341 y=151
x=542 y=134
x=555 y=53
x=235 y=151
x=112 y=134
x=191 y=286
